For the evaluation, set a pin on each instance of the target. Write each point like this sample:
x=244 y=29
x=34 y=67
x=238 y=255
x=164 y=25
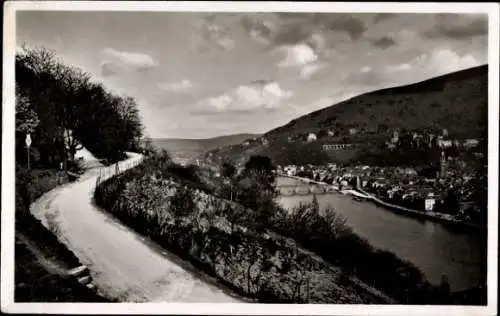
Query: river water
x=434 y=248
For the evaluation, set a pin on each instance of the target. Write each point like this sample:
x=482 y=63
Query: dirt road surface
x=123 y=264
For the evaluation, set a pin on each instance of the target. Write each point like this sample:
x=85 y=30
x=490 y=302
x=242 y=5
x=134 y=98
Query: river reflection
x=434 y=248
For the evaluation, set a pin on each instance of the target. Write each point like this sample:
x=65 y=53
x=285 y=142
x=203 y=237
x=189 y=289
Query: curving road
x=123 y=264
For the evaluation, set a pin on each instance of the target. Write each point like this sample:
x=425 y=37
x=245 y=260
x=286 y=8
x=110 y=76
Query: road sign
x=28 y=140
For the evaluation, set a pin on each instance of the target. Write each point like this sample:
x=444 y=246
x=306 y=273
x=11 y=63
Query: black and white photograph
x=250 y=158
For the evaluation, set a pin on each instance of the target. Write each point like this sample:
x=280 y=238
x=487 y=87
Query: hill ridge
x=456 y=101
x=237 y=135
x=431 y=85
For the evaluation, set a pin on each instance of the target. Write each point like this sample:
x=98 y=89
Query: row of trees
x=63 y=109
x=253 y=187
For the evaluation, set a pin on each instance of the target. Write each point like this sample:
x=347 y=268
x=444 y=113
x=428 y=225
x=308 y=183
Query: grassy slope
x=34 y=283
x=456 y=101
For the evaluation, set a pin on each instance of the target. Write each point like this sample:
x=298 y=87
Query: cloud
x=308 y=71
x=221 y=103
x=109 y=69
x=366 y=69
x=438 y=62
x=209 y=34
x=379 y=17
x=445 y=60
x=347 y=23
x=400 y=67
x=261 y=94
x=317 y=42
x=132 y=60
x=297 y=55
x=299 y=26
x=383 y=42
x=259 y=29
x=176 y=86
x=322 y=103
x=404 y=35
x=458 y=26
x=367 y=77
x=293 y=34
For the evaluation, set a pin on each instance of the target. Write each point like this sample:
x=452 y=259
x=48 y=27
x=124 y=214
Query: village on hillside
x=454 y=185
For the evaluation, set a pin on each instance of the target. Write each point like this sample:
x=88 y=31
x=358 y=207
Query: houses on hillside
x=427 y=140
x=333 y=147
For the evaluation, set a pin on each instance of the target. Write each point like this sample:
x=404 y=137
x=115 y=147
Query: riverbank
x=426 y=215
x=433 y=247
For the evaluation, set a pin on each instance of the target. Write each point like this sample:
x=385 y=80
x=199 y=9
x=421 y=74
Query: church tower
x=442 y=165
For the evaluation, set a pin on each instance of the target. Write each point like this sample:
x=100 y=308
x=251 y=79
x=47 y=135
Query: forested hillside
x=457 y=102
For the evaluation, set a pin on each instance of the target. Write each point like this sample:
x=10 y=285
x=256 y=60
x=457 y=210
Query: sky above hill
x=200 y=75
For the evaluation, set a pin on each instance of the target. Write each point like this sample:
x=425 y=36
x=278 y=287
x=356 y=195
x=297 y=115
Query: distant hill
x=455 y=101
x=188 y=149
x=227 y=140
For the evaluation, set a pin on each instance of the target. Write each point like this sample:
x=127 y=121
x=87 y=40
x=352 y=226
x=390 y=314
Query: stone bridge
x=306 y=189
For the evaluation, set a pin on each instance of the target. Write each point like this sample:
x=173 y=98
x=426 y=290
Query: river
x=434 y=248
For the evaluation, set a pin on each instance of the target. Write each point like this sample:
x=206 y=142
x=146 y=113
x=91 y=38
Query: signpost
x=28 y=144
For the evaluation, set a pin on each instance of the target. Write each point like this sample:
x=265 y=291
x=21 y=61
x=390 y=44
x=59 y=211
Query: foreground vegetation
x=35 y=284
x=208 y=232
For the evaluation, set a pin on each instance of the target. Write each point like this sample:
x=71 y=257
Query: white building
x=444 y=143
x=430 y=202
x=471 y=143
x=311 y=137
x=395 y=137
x=332 y=166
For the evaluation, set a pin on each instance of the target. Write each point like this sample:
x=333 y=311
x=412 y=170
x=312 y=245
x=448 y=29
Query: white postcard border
x=8 y=164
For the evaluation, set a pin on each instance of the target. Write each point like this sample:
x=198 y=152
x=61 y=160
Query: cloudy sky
x=198 y=75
